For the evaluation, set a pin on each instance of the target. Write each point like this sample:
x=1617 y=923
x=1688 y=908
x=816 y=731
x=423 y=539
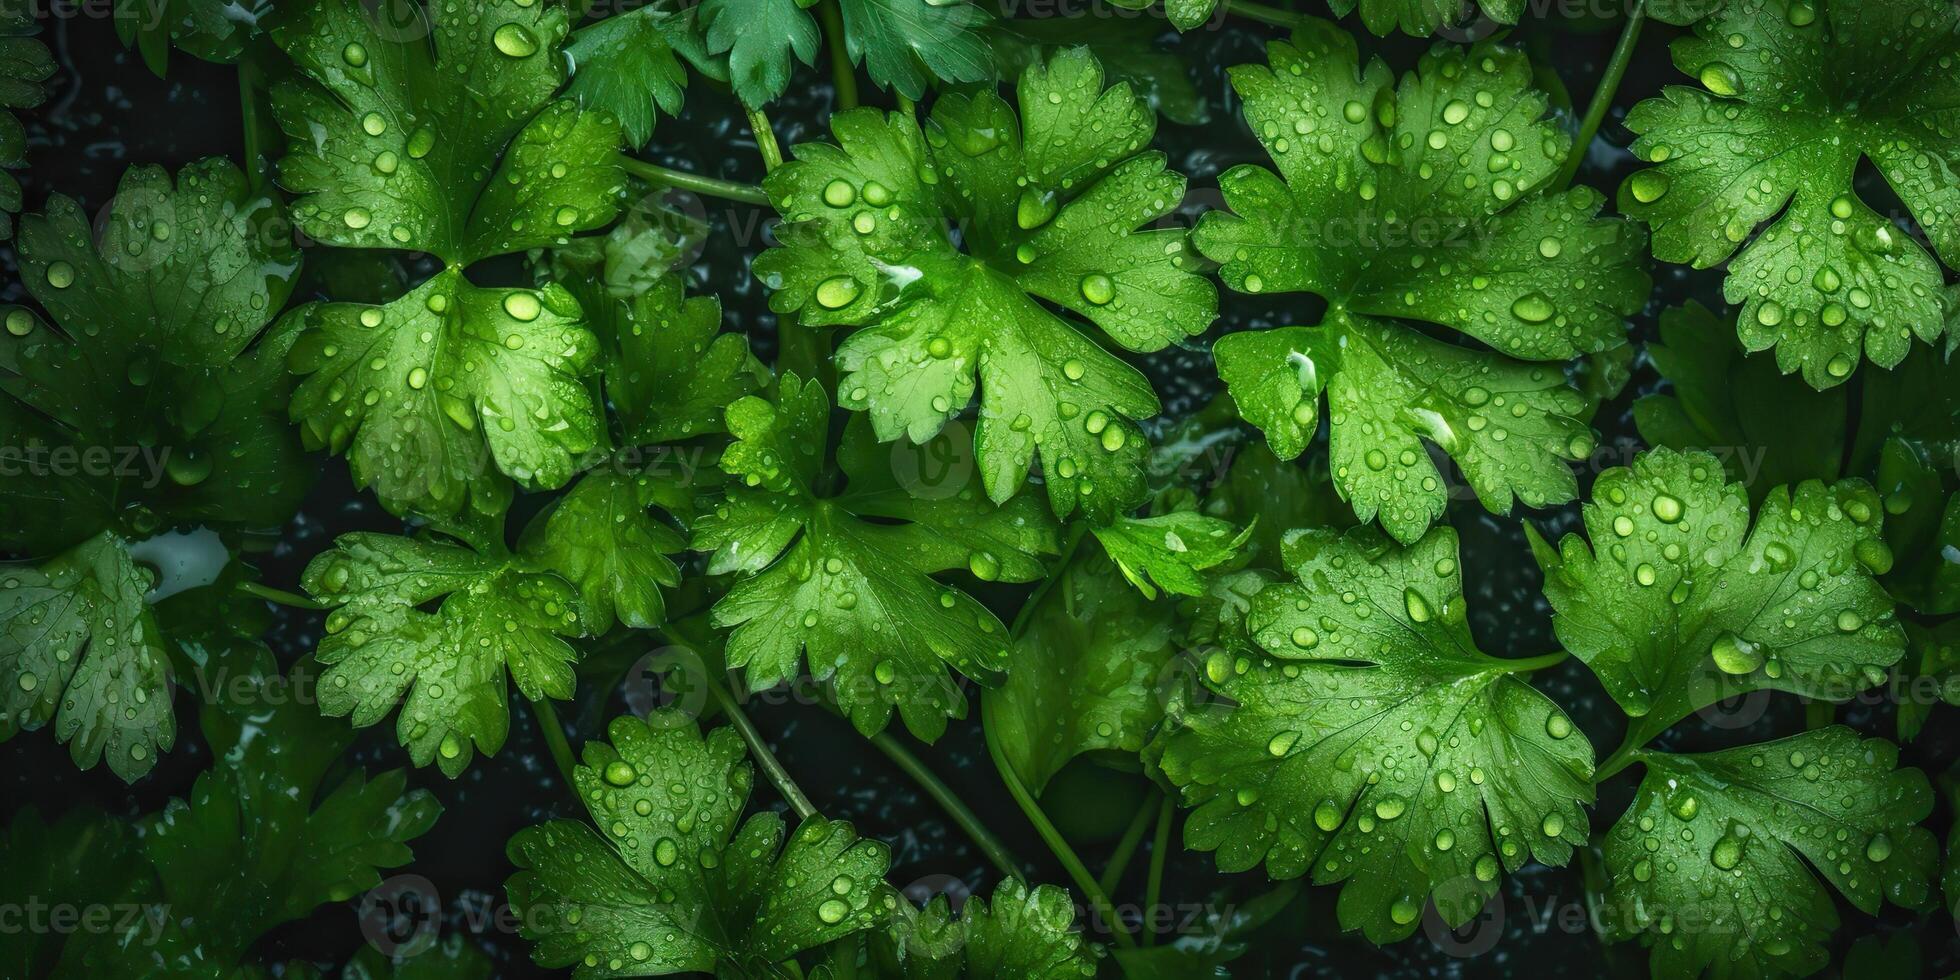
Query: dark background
x=106 y=111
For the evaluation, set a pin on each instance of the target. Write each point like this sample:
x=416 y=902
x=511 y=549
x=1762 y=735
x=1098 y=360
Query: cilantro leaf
x=79 y=647
x=669 y=371
x=1023 y=933
x=629 y=64
x=669 y=884
x=160 y=399
x=25 y=63
x=1768 y=429
x=603 y=538
x=455 y=148
x=1127 y=50
x=1084 y=675
x=905 y=44
x=1369 y=741
x=1049 y=208
x=758 y=37
x=1168 y=551
x=497 y=613
x=1678 y=602
x=1793 y=97
x=848 y=579
x=1721 y=840
x=1422 y=202
x=274 y=829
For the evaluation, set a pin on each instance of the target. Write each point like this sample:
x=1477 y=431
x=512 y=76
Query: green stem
x=771 y=767
x=1602 y=99
x=1627 y=754
x=1126 y=848
x=726 y=189
x=765 y=140
x=279 y=596
x=1525 y=665
x=248 y=109
x=1819 y=714
x=942 y=794
x=554 y=738
x=1077 y=872
x=1076 y=532
x=841 y=69
x=906 y=105
x=1160 y=847
x=1264 y=14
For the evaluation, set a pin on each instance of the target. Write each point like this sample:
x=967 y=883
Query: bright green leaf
x=669 y=370
x=79 y=647
x=1049 y=205
x=1425 y=202
x=848 y=579
x=1794 y=94
x=668 y=884
x=905 y=44
x=1023 y=933
x=1709 y=863
x=603 y=538
x=496 y=614
x=1679 y=602
x=1168 y=551
x=1367 y=740
x=1127 y=49
x=758 y=37
x=629 y=64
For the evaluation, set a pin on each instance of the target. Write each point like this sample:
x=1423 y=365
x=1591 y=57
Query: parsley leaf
x=669 y=884
x=604 y=539
x=1049 y=206
x=1168 y=551
x=1084 y=675
x=162 y=391
x=1421 y=202
x=498 y=612
x=1422 y=18
x=25 y=63
x=758 y=37
x=1678 y=603
x=1795 y=96
x=455 y=148
x=1721 y=840
x=1127 y=50
x=669 y=372
x=1023 y=933
x=905 y=44
x=1367 y=740
x=629 y=64
x=847 y=579
x=78 y=646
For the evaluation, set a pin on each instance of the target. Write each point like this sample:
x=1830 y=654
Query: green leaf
x=1170 y=550
x=670 y=372
x=848 y=579
x=439 y=396
x=1085 y=675
x=629 y=64
x=758 y=37
x=1023 y=933
x=1422 y=18
x=1708 y=864
x=1426 y=202
x=25 y=64
x=668 y=884
x=159 y=399
x=1922 y=527
x=84 y=857
x=496 y=613
x=79 y=647
x=1767 y=428
x=1368 y=741
x=217 y=31
x=1127 y=49
x=1794 y=95
x=603 y=538
x=277 y=828
x=906 y=44
x=1679 y=603
x=454 y=147
x=1049 y=208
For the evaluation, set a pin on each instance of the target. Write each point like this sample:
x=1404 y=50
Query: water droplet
x=514 y=41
